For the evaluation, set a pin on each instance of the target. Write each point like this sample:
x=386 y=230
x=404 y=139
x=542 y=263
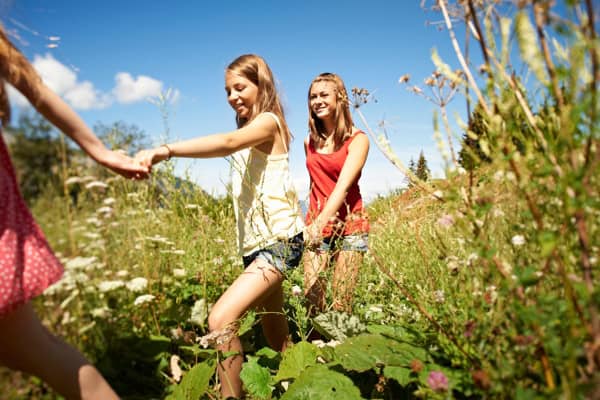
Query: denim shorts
x=283 y=255
x=356 y=242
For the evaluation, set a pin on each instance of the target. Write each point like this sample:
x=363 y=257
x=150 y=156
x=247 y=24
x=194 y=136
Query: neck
x=329 y=127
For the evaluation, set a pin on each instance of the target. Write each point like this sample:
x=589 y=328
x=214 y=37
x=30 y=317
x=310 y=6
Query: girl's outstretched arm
x=261 y=129
x=357 y=156
x=55 y=110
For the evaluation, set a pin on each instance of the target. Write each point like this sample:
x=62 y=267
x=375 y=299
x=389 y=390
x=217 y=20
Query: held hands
x=147 y=158
x=123 y=165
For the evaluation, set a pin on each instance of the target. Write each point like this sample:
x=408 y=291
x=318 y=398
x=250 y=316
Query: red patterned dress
x=27 y=264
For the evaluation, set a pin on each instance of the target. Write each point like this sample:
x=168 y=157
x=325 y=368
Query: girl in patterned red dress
x=336 y=225
x=27 y=264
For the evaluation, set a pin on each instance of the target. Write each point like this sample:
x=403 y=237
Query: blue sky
x=106 y=58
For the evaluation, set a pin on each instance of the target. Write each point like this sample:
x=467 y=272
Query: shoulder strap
x=280 y=128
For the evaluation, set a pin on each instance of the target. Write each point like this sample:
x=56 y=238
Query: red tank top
x=324 y=171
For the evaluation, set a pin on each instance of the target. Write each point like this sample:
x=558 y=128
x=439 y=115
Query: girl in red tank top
x=336 y=225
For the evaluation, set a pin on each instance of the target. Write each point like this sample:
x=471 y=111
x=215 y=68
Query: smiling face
x=323 y=100
x=241 y=94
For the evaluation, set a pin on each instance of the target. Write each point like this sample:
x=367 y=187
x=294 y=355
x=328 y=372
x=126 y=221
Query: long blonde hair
x=255 y=69
x=14 y=68
x=343 y=117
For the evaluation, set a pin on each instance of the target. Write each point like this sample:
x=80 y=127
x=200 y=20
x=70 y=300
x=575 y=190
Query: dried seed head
x=404 y=78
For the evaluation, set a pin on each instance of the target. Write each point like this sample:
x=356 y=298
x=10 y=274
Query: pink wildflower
x=437 y=381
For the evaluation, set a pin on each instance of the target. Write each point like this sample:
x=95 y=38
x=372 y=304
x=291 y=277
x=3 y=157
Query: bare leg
x=314 y=286
x=345 y=275
x=274 y=322
x=258 y=282
x=26 y=345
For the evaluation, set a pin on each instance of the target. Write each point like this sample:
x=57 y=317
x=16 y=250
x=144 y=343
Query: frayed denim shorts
x=356 y=242
x=283 y=255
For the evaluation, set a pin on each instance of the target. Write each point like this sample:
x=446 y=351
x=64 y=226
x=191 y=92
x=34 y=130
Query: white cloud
x=56 y=75
x=130 y=90
x=82 y=95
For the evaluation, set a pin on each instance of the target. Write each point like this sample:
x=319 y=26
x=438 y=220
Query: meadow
x=479 y=285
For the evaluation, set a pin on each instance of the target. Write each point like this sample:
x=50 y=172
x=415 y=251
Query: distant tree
x=120 y=135
x=471 y=154
x=35 y=149
x=422 y=172
x=413 y=168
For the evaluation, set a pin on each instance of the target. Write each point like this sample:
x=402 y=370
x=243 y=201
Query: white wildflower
x=72 y=180
x=105 y=210
x=109 y=201
x=218 y=240
x=199 y=313
x=438 y=296
x=107 y=286
x=179 y=272
x=375 y=309
x=499 y=175
x=192 y=206
x=137 y=284
x=157 y=239
x=518 y=240
x=101 y=312
x=96 y=185
x=92 y=235
x=296 y=291
x=122 y=273
x=145 y=298
x=80 y=262
x=510 y=176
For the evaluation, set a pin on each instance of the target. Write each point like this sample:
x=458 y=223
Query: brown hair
x=255 y=69
x=14 y=69
x=343 y=117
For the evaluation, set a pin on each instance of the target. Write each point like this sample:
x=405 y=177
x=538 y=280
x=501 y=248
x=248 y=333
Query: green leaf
x=548 y=242
x=400 y=374
x=247 y=323
x=197 y=351
x=319 y=382
x=195 y=381
x=338 y=326
x=296 y=359
x=257 y=379
x=365 y=352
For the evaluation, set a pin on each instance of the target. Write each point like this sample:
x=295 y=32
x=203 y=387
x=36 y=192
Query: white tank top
x=265 y=201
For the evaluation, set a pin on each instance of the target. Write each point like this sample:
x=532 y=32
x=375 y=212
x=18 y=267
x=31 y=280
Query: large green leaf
x=319 y=382
x=256 y=378
x=338 y=326
x=400 y=374
x=364 y=352
x=195 y=381
x=296 y=359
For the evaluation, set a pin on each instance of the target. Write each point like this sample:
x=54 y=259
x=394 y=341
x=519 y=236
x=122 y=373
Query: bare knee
x=219 y=319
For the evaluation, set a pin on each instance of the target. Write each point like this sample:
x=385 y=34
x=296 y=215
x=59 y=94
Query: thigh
x=347 y=263
x=315 y=262
x=249 y=290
